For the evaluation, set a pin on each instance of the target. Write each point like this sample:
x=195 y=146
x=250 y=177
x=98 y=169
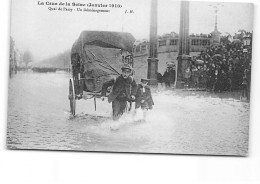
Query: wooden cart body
x=96 y=57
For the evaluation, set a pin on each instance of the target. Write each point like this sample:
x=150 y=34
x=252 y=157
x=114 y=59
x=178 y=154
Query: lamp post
x=184 y=44
x=152 y=59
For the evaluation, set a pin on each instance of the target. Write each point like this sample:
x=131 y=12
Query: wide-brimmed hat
x=126 y=66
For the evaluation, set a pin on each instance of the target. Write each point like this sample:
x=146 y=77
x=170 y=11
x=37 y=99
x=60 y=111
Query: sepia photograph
x=150 y=76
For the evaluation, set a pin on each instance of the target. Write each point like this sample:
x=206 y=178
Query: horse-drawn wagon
x=96 y=57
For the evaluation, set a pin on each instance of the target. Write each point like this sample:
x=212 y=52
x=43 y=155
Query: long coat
x=122 y=88
x=169 y=76
x=146 y=96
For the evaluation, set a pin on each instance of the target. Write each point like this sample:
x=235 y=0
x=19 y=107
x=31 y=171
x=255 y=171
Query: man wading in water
x=123 y=90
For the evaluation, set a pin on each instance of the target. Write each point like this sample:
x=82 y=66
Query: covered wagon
x=96 y=57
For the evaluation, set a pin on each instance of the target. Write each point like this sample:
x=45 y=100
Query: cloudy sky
x=47 y=33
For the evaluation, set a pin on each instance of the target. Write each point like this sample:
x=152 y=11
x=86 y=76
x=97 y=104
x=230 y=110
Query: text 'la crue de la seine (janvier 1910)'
x=73 y=4
x=82 y=7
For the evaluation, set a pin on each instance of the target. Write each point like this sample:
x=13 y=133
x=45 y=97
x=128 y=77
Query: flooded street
x=181 y=122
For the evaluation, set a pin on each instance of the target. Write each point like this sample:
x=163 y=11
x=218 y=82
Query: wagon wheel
x=72 y=97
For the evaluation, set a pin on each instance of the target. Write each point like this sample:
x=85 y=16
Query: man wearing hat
x=123 y=90
x=169 y=75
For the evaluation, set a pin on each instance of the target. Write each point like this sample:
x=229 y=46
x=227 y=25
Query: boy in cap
x=143 y=97
x=123 y=90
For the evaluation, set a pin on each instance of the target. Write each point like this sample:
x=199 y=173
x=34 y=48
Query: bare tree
x=27 y=58
x=12 y=58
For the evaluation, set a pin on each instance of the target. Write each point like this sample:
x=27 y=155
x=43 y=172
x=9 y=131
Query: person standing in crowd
x=216 y=81
x=187 y=76
x=169 y=76
x=248 y=74
x=204 y=76
x=211 y=75
x=230 y=78
x=123 y=91
x=159 y=80
x=245 y=86
x=223 y=82
x=200 y=76
x=195 y=76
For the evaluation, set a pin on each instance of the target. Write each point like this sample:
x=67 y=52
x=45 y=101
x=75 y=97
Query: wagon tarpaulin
x=101 y=64
x=100 y=56
x=104 y=39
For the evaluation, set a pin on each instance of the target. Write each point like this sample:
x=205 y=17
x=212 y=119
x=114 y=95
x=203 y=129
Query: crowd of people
x=222 y=67
x=168 y=77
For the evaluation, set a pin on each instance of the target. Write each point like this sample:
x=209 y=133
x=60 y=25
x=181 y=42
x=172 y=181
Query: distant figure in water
x=144 y=98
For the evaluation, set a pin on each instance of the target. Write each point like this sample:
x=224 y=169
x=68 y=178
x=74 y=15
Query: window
x=162 y=43
x=198 y=42
x=173 y=42
x=192 y=42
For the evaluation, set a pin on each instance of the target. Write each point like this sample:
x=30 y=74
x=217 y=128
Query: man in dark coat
x=169 y=76
x=123 y=90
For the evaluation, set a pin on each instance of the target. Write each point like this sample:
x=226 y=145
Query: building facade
x=170 y=43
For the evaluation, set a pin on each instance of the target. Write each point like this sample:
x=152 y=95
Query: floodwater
x=180 y=122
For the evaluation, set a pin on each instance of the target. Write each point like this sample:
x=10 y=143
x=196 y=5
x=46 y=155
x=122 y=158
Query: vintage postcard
x=150 y=76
